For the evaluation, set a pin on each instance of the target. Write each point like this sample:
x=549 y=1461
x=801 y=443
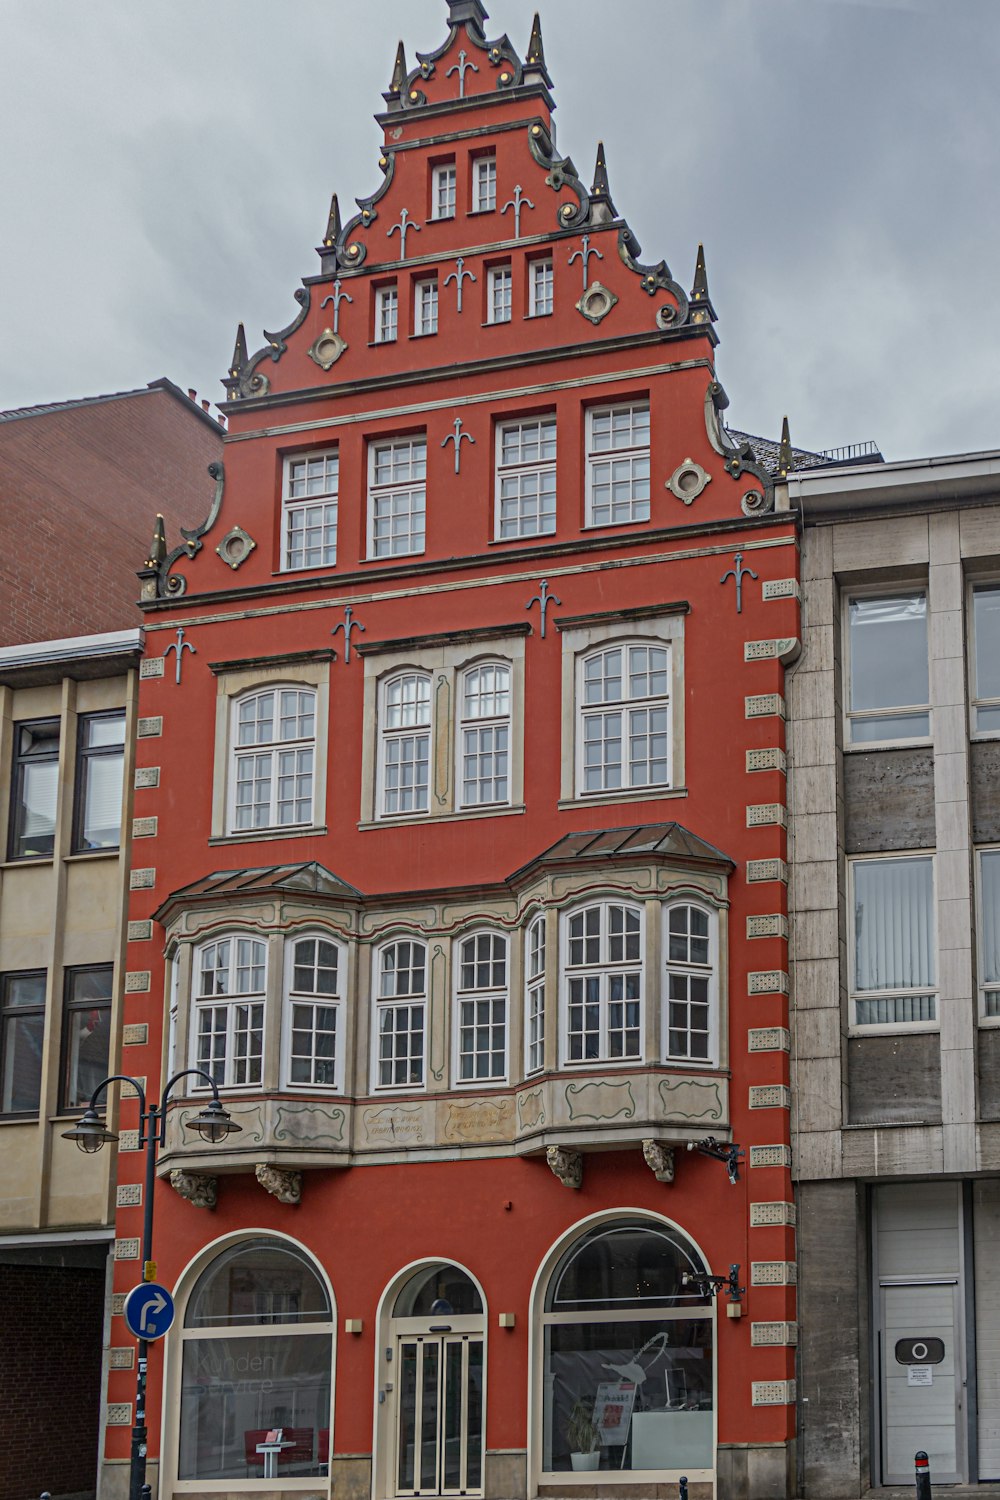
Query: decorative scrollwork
x=173 y=585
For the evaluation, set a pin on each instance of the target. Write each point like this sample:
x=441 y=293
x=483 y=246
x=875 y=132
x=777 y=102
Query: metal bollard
x=922 y=1468
x=682 y=1487
x=45 y=1495
x=147 y=1492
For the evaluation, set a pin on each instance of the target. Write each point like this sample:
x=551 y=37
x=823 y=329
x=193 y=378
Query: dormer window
x=444 y=191
x=484 y=184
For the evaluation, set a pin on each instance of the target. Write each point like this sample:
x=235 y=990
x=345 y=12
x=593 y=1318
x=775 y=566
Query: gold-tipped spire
x=240 y=355
x=399 y=72
x=785 y=451
x=333 y=225
x=158 y=547
x=699 y=291
x=536 y=47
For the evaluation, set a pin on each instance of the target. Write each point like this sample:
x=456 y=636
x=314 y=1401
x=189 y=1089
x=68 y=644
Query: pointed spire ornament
x=240 y=355
x=158 y=547
x=534 y=63
x=399 y=72
x=702 y=310
x=785 y=451
x=601 y=188
x=333 y=225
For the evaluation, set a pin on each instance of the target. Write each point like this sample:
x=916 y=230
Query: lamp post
x=213 y=1124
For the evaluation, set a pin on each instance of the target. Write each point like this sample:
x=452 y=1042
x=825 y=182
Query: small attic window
x=444 y=190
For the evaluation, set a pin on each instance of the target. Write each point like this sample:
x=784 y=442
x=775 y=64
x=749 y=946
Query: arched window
x=257 y=1355
x=313 y=1025
x=228 y=1030
x=623 y=733
x=481 y=1009
x=534 y=996
x=689 y=1021
x=274 y=750
x=627 y=1354
x=602 y=958
x=405 y=744
x=485 y=735
x=400 y=1015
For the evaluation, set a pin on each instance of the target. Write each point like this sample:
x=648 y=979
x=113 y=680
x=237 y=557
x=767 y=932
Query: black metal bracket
x=728 y=1153
x=710 y=1286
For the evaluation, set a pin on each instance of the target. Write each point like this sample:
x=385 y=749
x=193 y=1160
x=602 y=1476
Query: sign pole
x=137 y=1462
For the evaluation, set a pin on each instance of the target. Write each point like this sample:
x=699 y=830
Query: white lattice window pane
x=253 y=791
x=584 y=1028
x=249 y=966
x=501 y=295
x=445 y=190
x=542 y=287
x=484 y=764
x=602 y=752
x=427 y=307
x=483 y=1038
x=536 y=1027
x=315 y=966
x=214 y=966
x=387 y=316
x=487 y=693
x=585 y=937
x=311 y=536
x=402 y=970
x=649 y=747
x=255 y=720
x=314 y=1045
x=486 y=184
x=623 y=1015
x=399 y=523
x=248 y=1043
x=401 y=1045
x=687 y=930
x=602 y=677
x=688 y=1017
x=407 y=773
x=297 y=715
x=310 y=477
x=648 y=671
x=212 y=1031
x=623 y=934
x=294 y=790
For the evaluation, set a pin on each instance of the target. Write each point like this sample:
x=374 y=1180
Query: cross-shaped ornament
x=458 y=437
x=462 y=67
x=180 y=646
x=543 y=599
x=459 y=276
x=336 y=297
x=402 y=229
x=586 y=255
x=348 y=624
x=739 y=572
x=517 y=203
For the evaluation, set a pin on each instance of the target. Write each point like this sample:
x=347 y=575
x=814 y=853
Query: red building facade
x=460 y=774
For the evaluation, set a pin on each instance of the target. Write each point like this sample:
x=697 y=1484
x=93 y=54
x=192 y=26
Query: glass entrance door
x=439 y=1431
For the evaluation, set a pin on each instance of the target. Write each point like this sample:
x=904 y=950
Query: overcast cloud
x=166 y=167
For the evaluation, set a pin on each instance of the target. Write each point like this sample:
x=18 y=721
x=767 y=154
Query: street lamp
x=213 y=1124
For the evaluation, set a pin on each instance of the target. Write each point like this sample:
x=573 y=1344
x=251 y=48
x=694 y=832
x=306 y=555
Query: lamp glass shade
x=214 y=1123
x=90 y=1134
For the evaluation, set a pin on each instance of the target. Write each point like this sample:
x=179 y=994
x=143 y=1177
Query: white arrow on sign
x=155 y=1305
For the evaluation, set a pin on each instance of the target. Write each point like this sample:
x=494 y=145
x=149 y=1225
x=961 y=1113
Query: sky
x=166 y=169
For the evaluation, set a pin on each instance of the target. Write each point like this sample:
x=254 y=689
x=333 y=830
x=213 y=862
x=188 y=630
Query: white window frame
x=382 y=492
x=689 y=968
x=409 y=1000
x=273 y=750
x=426 y=307
x=632 y=453
x=603 y=970
x=520 y=470
x=541 y=288
x=477 y=995
x=626 y=708
x=977 y=703
x=419 y=729
x=902 y=993
x=535 y=980
x=500 y=294
x=318 y=509
x=484 y=184
x=444 y=190
x=386 y=329
x=291 y=997
x=493 y=724
x=231 y=1000
x=901 y=711
x=989 y=990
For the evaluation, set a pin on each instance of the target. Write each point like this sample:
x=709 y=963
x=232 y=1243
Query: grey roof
x=767 y=450
x=163 y=384
x=663 y=840
x=310 y=878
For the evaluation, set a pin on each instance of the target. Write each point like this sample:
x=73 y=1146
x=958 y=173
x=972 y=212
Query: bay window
x=400 y=1015
x=481 y=1006
x=534 y=997
x=602 y=983
x=314 y=967
x=689 y=1000
x=229 y=1011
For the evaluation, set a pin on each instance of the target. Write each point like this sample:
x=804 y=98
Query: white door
x=923 y=1395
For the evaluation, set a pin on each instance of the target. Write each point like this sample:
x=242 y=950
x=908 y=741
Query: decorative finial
x=240 y=355
x=399 y=72
x=333 y=225
x=534 y=64
x=601 y=188
x=462 y=11
x=785 y=451
x=158 y=547
x=699 y=291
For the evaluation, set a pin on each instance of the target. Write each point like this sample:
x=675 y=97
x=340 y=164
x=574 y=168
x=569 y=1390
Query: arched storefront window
x=628 y=1373
x=257 y=1356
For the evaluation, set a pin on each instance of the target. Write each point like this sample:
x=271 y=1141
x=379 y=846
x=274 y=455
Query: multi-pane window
x=603 y=979
x=688 y=998
x=22 y=1032
x=386 y=314
x=425 y=306
x=484 y=177
x=534 y=996
x=624 y=719
x=397 y=497
x=989 y=931
x=541 y=287
x=273 y=754
x=400 y=1008
x=618 y=465
x=500 y=295
x=312 y=1011
x=229 y=1011
x=405 y=739
x=986 y=659
x=34 y=789
x=444 y=186
x=893 y=971
x=485 y=735
x=888 y=694
x=481 y=1003
x=86 y=1033
x=100 y=768
x=526 y=478
x=309 y=510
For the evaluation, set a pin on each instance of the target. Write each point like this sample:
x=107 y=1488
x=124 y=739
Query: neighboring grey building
x=894 y=836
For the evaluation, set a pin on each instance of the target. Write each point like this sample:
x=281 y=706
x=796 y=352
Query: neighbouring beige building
x=894 y=812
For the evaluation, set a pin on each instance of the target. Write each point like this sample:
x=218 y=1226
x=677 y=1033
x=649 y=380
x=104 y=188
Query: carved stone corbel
x=659 y=1159
x=285 y=1186
x=566 y=1165
x=197 y=1187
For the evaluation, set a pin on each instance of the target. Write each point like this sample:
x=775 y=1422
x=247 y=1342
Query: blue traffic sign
x=148 y=1310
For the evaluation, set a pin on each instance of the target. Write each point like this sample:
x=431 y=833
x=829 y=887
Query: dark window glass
x=100 y=769
x=86 y=1033
x=22 y=1030
x=257 y=1282
x=35 y=784
x=624 y=1267
x=438 y=1289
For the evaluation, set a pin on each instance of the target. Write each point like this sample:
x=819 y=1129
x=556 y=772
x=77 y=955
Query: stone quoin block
x=770 y=1096
x=142 y=880
x=766 y=815
x=773 y=1392
x=769 y=1039
x=773 y=1273
x=137 y=982
x=135 y=1034
x=150 y=728
x=144 y=828
x=152 y=666
x=770 y=1156
x=127 y=1249
x=147 y=777
x=121 y=1359
x=759 y=870
x=767 y=760
x=129 y=1195
x=120 y=1414
x=766 y=1215
x=784 y=649
x=140 y=932
x=781 y=588
x=764 y=705
x=772 y=925
x=763 y=1335
x=767 y=982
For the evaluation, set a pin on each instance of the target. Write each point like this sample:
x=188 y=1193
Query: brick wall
x=80 y=488
x=51 y=1334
